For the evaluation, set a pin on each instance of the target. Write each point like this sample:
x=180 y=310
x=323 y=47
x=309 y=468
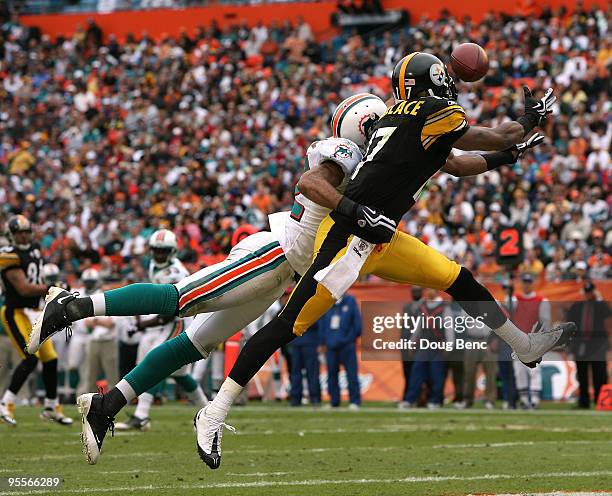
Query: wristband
x=347 y=207
x=497 y=159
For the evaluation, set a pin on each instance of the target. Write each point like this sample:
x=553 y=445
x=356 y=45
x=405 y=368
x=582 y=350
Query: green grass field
x=288 y=451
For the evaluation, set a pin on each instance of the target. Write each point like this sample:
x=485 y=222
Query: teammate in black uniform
x=21 y=267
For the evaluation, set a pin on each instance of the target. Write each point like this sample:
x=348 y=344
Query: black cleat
x=53 y=318
x=135 y=423
x=95 y=425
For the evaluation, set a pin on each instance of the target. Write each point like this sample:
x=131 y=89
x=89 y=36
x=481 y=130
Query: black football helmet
x=422 y=72
x=20 y=224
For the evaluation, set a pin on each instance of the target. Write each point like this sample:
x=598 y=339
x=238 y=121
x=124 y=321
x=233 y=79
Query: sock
x=22 y=372
x=535 y=397
x=187 y=382
x=476 y=300
x=161 y=362
x=157 y=389
x=145 y=400
x=98 y=302
x=198 y=397
x=260 y=347
x=73 y=379
x=516 y=339
x=49 y=375
x=9 y=397
x=142 y=299
x=127 y=391
x=524 y=397
x=220 y=406
x=50 y=402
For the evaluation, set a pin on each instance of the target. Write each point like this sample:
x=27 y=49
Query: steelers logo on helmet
x=437 y=74
x=420 y=74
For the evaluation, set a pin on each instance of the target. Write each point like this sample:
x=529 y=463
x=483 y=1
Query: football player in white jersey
x=77 y=346
x=233 y=293
x=164 y=268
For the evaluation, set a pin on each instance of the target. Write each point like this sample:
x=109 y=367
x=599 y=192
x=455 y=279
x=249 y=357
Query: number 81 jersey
x=296 y=230
x=31 y=262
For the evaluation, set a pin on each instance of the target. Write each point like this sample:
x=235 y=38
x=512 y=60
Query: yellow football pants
x=18 y=327
x=405 y=260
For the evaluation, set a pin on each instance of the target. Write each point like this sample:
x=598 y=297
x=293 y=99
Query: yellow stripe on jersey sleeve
x=452 y=119
x=8 y=260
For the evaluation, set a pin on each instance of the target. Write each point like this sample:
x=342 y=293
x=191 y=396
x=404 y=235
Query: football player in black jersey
x=410 y=143
x=21 y=267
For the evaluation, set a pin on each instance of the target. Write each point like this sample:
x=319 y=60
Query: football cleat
x=135 y=423
x=209 y=432
x=95 y=425
x=7 y=413
x=542 y=341
x=53 y=318
x=55 y=414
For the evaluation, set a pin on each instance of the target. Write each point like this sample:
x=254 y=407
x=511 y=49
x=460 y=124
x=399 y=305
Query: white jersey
x=172 y=273
x=168 y=274
x=296 y=230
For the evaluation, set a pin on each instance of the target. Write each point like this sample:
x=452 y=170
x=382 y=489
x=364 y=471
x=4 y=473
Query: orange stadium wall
x=172 y=21
x=384 y=380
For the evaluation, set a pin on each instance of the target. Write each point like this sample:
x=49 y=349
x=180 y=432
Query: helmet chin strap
x=24 y=247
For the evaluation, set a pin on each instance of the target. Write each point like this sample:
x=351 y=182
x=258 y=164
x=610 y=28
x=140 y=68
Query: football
x=469 y=62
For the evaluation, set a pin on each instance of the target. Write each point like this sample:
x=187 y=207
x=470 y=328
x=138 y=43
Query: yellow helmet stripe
x=402 y=74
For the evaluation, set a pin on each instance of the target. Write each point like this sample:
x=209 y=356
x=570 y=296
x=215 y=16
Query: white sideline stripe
x=317 y=482
x=257 y=474
x=129 y=472
x=516 y=443
x=555 y=493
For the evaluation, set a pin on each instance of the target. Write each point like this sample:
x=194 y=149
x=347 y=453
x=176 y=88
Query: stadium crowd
x=104 y=139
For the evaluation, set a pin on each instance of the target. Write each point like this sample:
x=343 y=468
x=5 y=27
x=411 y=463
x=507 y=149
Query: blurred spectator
x=412 y=310
x=531 y=310
x=429 y=365
x=486 y=356
x=590 y=347
x=305 y=359
x=339 y=330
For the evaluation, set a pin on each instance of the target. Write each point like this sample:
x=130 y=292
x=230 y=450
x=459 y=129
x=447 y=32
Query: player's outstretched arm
x=17 y=277
x=472 y=164
x=319 y=184
x=509 y=133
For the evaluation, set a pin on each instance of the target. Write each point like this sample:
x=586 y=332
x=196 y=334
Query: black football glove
x=533 y=141
x=536 y=111
x=510 y=155
x=376 y=227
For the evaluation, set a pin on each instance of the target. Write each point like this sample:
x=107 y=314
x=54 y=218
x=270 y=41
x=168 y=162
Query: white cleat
x=55 y=415
x=542 y=341
x=95 y=425
x=209 y=432
x=7 y=413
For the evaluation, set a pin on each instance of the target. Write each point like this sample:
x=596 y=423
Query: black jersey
x=31 y=262
x=409 y=144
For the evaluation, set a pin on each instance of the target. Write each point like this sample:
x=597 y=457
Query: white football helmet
x=51 y=273
x=163 y=245
x=91 y=279
x=355 y=117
